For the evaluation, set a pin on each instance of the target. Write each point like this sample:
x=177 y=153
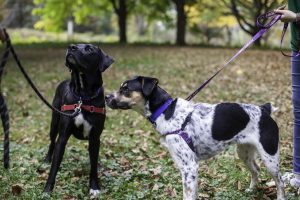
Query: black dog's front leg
x=94 y=144
x=53 y=135
x=57 y=158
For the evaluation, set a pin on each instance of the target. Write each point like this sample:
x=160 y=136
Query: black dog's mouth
x=71 y=59
x=73 y=62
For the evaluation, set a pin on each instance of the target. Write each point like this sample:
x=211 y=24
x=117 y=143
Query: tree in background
x=181 y=19
x=247 y=11
x=54 y=14
x=207 y=19
x=122 y=8
x=147 y=12
x=16 y=13
x=1 y=9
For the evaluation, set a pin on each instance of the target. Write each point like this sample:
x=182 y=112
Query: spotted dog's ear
x=148 y=84
x=105 y=62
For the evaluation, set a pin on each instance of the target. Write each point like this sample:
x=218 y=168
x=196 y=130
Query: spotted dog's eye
x=125 y=91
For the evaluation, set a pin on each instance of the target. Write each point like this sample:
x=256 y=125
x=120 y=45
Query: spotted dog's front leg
x=185 y=160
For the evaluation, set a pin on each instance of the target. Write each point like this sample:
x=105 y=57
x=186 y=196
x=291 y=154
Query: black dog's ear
x=106 y=61
x=148 y=84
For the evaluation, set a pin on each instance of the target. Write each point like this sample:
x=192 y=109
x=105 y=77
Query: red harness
x=91 y=109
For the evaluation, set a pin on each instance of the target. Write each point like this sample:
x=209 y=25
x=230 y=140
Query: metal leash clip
x=78 y=108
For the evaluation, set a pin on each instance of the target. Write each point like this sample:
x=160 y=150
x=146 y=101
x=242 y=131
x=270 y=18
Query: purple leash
x=263 y=29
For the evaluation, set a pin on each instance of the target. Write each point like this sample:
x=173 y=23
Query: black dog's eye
x=88 y=48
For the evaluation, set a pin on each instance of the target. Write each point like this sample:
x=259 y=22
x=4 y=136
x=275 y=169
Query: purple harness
x=179 y=132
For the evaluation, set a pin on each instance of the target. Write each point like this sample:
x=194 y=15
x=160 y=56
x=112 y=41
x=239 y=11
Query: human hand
x=286 y=15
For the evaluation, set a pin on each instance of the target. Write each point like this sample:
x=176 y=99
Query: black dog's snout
x=72 y=47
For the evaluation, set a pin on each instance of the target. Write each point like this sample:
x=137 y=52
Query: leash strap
x=285 y=27
x=263 y=29
x=76 y=112
x=4 y=58
x=185 y=137
x=183 y=134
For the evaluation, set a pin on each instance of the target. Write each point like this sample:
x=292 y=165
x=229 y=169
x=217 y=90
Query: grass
x=132 y=163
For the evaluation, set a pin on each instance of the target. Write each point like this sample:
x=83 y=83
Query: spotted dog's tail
x=5 y=124
x=268 y=108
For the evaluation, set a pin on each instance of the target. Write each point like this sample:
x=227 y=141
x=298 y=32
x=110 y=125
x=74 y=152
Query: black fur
x=229 y=120
x=169 y=112
x=267 y=107
x=86 y=63
x=148 y=84
x=269 y=136
x=154 y=94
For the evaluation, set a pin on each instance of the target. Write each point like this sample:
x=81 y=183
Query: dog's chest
x=80 y=121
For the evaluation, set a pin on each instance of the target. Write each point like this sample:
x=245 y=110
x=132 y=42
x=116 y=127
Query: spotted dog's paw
x=94 y=193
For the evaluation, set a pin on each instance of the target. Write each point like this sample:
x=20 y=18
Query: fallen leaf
x=239 y=185
x=156 y=171
x=16 y=189
x=155 y=187
x=124 y=162
x=171 y=192
x=203 y=195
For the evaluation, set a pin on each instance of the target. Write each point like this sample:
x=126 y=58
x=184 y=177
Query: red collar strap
x=91 y=109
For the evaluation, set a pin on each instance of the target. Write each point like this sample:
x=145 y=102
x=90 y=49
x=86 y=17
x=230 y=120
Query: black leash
x=4 y=111
x=10 y=47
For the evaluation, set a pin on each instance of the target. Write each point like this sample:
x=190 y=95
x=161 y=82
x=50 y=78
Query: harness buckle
x=92 y=109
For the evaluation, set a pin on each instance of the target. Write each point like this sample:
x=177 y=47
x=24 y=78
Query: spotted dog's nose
x=111 y=101
x=108 y=97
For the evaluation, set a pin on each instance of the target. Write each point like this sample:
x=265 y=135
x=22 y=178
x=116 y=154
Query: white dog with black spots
x=194 y=132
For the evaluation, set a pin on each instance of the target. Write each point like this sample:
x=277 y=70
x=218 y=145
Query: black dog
x=84 y=91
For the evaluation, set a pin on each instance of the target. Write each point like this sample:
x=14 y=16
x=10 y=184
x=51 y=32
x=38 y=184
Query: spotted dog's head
x=87 y=58
x=137 y=94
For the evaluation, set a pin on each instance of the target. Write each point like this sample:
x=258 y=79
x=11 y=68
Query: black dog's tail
x=268 y=108
x=5 y=124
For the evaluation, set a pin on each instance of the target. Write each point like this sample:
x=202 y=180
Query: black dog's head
x=87 y=58
x=134 y=93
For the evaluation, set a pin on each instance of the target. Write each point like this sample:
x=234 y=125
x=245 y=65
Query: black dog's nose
x=72 y=47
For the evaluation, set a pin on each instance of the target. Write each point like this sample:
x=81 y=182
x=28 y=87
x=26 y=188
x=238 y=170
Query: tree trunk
x=257 y=43
x=122 y=16
x=229 y=35
x=140 y=24
x=181 y=22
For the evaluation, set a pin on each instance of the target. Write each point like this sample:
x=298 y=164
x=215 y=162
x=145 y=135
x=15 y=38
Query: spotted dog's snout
x=111 y=101
x=108 y=97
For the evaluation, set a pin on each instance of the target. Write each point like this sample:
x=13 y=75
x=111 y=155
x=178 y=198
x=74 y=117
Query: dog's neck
x=157 y=98
x=85 y=84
